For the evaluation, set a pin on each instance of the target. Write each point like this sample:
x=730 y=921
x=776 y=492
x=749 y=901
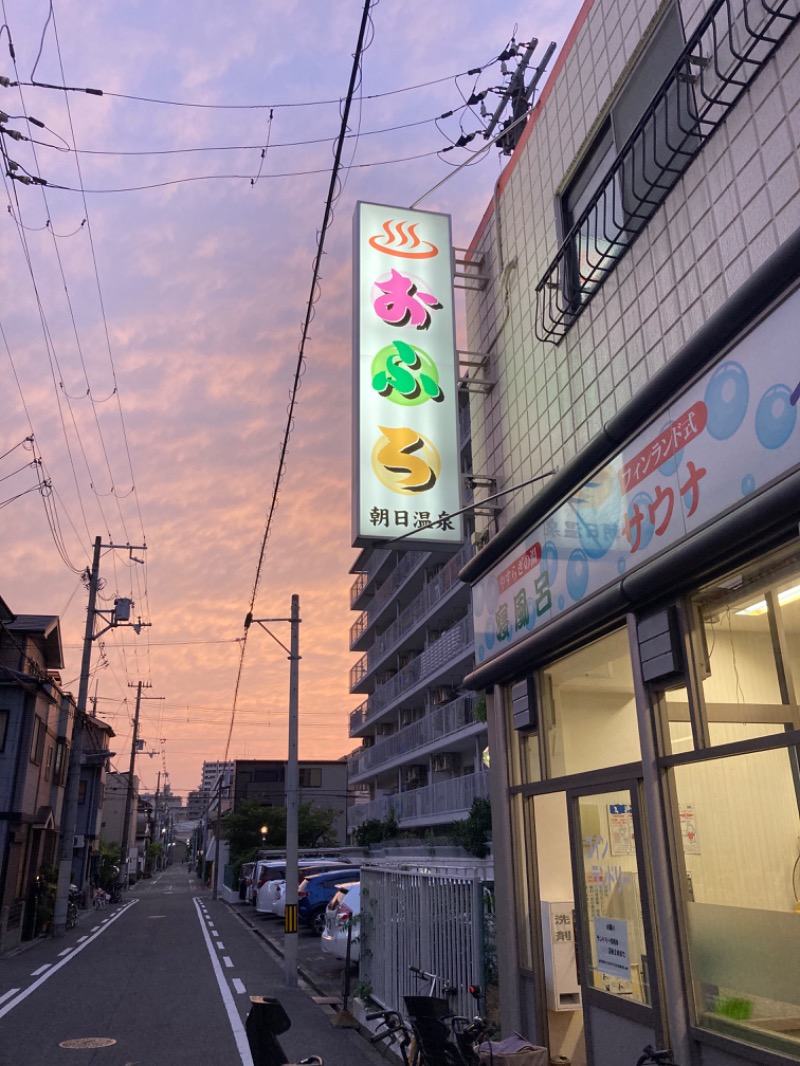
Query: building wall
x=737 y=202
x=692 y=883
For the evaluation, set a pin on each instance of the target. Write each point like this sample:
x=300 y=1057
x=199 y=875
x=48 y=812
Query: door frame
x=647 y=1015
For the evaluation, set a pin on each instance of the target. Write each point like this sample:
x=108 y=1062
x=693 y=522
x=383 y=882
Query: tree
x=242 y=828
x=473 y=833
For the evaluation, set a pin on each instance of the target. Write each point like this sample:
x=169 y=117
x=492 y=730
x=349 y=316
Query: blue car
x=315 y=893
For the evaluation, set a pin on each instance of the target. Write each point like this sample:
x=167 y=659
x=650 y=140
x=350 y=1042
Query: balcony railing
x=445 y=721
x=732 y=43
x=443 y=802
x=358 y=628
x=452 y=644
x=409 y=619
x=358 y=671
x=357 y=588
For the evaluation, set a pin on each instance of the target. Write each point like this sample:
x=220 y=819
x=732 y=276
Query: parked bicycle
x=651 y=1057
x=72 y=907
x=432 y=1035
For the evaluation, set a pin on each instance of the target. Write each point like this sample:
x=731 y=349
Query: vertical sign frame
x=406 y=454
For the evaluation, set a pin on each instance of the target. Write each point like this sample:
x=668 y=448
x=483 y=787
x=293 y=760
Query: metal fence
x=438 y=916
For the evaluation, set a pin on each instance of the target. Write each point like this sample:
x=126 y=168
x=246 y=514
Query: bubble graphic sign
x=730 y=434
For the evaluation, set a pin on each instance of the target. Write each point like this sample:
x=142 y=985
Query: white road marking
x=238 y=984
x=237 y=1026
x=220 y=945
x=54 y=969
x=66 y=951
x=7 y=995
x=82 y=938
x=227 y=961
x=41 y=969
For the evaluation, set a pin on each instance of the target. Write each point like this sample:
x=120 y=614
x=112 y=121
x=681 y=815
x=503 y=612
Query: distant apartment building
x=323 y=784
x=211 y=772
x=423 y=754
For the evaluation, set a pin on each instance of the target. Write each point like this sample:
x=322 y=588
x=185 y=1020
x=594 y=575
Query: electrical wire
x=243 y=177
x=245 y=107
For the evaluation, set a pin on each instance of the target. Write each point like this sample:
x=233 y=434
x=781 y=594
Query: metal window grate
x=721 y=60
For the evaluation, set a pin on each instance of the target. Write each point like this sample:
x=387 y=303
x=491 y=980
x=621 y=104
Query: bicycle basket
x=427 y=1014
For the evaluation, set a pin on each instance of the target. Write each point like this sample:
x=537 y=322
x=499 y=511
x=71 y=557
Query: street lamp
x=264 y=833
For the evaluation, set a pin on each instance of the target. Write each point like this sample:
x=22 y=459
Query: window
x=590 y=708
x=611 y=203
x=747 y=640
x=311 y=777
x=48 y=766
x=272 y=776
x=3 y=728
x=82 y=792
x=37 y=741
x=740 y=828
x=60 y=770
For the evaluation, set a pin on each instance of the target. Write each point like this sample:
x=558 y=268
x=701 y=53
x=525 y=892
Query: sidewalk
x=327 y=1022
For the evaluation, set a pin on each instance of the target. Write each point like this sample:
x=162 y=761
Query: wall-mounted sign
x=406 y=465
x=730 y=434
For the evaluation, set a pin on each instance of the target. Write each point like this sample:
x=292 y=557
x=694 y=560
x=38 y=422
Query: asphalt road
x=163 y=979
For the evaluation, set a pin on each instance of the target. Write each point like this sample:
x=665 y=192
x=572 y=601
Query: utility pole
x=124 y=872
x=292 y=806
x=70 y=816
x=119 y=616
x=519 y=96
x=155 y=817
x=292 y=788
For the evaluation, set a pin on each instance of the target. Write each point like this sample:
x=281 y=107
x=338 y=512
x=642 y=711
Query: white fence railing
x=437 y=916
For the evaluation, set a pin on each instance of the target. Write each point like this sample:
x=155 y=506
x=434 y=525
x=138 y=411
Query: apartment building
x=637 y=615
x=423 y=756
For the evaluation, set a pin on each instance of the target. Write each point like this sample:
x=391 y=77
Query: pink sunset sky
x=151 y=321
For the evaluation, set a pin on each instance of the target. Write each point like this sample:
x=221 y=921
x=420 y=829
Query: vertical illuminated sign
x=406 y=463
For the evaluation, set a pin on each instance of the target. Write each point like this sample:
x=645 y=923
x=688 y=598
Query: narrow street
x=163 y=979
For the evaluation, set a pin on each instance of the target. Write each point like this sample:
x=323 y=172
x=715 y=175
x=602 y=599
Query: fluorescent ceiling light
x=788 y=596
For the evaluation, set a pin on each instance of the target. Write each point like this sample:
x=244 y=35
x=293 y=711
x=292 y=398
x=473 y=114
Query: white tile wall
x=731 y=210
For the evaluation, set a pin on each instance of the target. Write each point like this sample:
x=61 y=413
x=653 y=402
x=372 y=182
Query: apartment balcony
x=442 y=723
x=432 y=595
x=357 y=590
x=449 y=651
x=357 y=631
x=446 y=801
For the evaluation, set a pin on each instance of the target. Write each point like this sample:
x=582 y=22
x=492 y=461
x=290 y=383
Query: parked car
x=316 y=892
x=265 y=870
x=342 y=914
x=246 y=880
x=268 y=894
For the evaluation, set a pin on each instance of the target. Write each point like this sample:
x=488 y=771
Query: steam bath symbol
x=400 y=239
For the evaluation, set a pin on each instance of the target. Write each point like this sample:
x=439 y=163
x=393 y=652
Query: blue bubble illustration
x=492 y=596
x=748 y=484
x=478 y=599
x=622 y=564
x=577 y=574
x=481 y=653
x=597 y=507
x=491 y=634
x=727 y=396
x=561 y=603
x=550 y=560
x=776 y=417
x=531 y=613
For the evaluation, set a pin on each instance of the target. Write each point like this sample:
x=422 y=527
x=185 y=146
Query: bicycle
x=72 y=907
x=651 y=1057
x=442 y=1037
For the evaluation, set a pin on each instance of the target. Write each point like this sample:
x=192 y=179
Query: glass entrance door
x=612 y=915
